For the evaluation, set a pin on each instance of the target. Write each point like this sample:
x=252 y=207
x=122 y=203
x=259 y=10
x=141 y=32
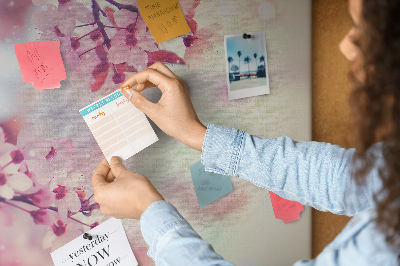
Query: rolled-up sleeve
x=313 y=173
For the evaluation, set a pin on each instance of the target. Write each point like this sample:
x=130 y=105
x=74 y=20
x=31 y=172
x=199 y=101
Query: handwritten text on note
x=164 y=18
x=41 y=63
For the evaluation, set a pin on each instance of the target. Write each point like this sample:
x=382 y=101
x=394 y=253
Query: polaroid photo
x=246 y=64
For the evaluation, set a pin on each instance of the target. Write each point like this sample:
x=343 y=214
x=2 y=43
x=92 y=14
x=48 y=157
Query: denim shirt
x=312 y=173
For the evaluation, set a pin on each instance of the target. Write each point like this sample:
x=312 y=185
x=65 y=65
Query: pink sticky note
x=41 y=63
x=284 y=209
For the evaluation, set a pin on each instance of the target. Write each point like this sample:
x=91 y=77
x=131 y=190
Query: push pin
x=246 y=36
x=87 y=236
x=125 y=88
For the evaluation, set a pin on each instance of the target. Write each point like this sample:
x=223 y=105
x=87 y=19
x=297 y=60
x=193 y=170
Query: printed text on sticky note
x=209 y=186
x=284 y=209
x=164 y=18
x=41 y=63
x=108 y=246
x=118 y=126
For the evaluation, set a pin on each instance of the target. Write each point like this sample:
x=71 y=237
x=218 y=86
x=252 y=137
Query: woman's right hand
x=174 y=112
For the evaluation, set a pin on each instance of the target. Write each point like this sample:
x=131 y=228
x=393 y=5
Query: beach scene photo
x=246 y=60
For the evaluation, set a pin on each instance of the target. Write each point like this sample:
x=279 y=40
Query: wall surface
x=330 y=97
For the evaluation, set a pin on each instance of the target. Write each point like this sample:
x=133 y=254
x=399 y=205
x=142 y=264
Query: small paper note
x=108 y=246
x=41 y=63
x=284 y=209
x=209 y=186
x=164 y=18
x=118 y=126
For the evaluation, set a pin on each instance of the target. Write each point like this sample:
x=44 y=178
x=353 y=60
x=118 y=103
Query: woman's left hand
x=127 y=197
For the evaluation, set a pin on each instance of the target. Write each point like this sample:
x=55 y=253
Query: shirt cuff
x=221 y=150
x=158 y=219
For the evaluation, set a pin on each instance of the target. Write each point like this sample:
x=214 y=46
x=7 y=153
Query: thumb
x=117 y=168
x=138 y=100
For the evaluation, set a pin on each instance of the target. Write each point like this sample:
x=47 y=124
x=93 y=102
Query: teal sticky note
x=209 y=186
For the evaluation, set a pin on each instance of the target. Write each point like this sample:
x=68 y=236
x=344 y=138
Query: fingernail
x=115 y=160
x=128 y=94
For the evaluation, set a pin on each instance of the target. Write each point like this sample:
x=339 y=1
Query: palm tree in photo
x=247 y=60
x=230 y=60
x=262 y=59
x=255 y=59
x=239 y=54
x=262 y=73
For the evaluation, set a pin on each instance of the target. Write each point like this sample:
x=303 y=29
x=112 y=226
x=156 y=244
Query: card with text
x=209 y=186
x=118 y=126
x=108 y=246
x=41 y=63
x=164 y=18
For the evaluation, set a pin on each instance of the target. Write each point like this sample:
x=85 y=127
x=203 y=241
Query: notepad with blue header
x=118 y=126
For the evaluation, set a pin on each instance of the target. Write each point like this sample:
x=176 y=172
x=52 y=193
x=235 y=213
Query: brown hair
x=375 y=101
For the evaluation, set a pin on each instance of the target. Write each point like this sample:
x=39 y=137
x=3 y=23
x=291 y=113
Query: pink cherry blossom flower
x=10 y=182
x=42 y=196
x=67 y=200
x=61 y=21
x=60 y=233
x=10 y=178
x=131 y=41
x=41 y=216
x=43 y=156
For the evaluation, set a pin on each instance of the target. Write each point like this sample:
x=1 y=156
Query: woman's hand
x=174 y=112
x=127 y=197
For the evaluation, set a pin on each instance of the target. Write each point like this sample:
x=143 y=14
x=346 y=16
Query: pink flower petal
x=41 y=217
x=44 y=19
x=123 y=18
x=165 y=56
x=137 y=58
x=19 y=181
x=6 y=192
x=42 y=198
x=73 y=201
x=147 y=44
x=118 y=54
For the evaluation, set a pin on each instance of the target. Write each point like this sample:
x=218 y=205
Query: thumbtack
x=125 y=88
x=87 y=236
x=246 y=36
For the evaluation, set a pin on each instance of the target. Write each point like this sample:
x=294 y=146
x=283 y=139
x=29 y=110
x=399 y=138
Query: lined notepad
x=118 y=126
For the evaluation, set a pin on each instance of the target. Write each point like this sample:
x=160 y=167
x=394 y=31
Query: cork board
x=331 y=89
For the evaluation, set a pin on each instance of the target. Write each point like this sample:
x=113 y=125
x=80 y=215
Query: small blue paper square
x=209 y=186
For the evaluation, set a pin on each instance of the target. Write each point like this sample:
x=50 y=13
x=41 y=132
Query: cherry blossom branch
x=7 y=164
x=16 y=206
x=96 y=14
x=122 y=6
x=24 y=199
x=76 y=220
x=84 y=25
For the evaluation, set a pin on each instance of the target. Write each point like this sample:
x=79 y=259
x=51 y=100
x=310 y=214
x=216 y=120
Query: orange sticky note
x=41 y=63
x=284 y=209
x=164 y=18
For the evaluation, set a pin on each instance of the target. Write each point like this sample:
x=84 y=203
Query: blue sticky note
x=209 y=186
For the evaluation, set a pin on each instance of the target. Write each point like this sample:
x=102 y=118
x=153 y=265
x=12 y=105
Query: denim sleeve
x=312 y=173
x=172 y=241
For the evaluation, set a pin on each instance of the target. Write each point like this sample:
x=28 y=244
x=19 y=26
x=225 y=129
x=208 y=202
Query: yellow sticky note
x=164 y=18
